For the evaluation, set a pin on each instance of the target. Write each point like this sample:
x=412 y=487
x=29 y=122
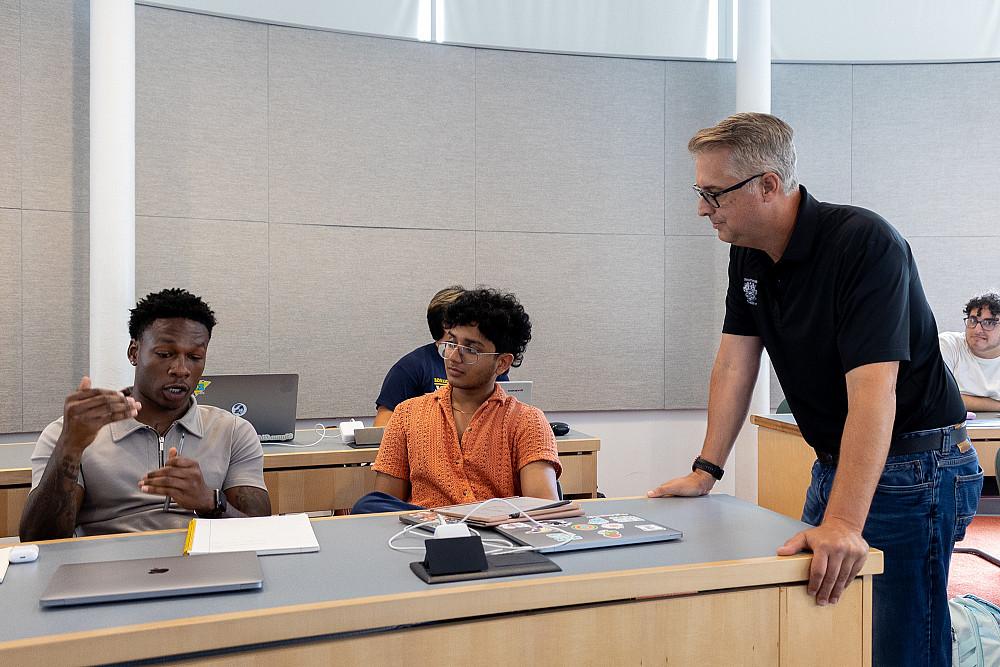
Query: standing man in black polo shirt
x=832 y=292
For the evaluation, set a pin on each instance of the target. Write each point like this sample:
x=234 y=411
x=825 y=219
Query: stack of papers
x=285 y=534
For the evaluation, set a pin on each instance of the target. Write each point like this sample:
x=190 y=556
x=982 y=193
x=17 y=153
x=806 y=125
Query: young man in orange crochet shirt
x=468 y=441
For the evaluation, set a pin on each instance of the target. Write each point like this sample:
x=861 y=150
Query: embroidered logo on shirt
x=750 y=290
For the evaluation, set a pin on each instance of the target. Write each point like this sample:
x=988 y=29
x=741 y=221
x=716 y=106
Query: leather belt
x=913 y=443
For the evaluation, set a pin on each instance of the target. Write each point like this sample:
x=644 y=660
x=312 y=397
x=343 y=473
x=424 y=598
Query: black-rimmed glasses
x=713 y=197
x=466 y=355
x=988 y=324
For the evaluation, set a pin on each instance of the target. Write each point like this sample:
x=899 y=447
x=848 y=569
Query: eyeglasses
x=988 y=324
x=467 y=355
x=713 y=197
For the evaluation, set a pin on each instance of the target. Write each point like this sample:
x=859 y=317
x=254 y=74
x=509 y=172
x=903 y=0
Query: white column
x=753 y=93
x=112 y=188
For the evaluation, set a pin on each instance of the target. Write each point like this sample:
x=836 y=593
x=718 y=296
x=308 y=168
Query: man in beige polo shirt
x=147 y=457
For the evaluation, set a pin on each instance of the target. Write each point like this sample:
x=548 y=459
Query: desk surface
x=986 y=426
x=15 y=458
x=357 y=583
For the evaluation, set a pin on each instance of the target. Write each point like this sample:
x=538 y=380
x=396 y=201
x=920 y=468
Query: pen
x=558 y=503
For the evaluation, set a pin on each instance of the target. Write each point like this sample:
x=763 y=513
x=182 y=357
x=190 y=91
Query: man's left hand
x=839 y=552
x=181 y=479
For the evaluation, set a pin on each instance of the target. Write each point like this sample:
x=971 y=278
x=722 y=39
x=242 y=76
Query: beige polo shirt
x=226 y=447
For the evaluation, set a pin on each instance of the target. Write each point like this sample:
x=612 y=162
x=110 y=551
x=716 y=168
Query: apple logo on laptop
x=158 y=570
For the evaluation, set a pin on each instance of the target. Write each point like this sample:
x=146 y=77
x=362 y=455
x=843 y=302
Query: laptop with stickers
x=593 y=531
x=519 y=389
x=267 y=401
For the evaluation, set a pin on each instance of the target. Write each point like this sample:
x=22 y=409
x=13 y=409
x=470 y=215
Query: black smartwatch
x=709 y=467
x=220 y=506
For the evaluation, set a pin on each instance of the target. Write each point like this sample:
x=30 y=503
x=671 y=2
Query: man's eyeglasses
x=988 y=324
x=466 y=355
x=713 y=197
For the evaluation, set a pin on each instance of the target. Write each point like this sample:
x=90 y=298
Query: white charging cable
x=318 y=429
x=498 y=545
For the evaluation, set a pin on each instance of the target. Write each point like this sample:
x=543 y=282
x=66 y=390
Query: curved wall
x=317 y=188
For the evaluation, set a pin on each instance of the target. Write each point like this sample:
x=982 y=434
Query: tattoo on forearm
x=250 y=500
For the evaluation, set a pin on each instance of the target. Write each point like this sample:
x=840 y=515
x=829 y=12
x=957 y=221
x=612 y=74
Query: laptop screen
x=267 y=401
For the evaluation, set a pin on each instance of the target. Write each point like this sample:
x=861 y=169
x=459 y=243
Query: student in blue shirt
x=422 y=370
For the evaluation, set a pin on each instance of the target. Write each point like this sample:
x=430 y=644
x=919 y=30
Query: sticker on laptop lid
x=202 y=386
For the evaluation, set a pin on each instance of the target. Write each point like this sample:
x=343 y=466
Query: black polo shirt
x=845 y=293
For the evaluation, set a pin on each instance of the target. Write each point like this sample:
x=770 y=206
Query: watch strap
x=709 y=467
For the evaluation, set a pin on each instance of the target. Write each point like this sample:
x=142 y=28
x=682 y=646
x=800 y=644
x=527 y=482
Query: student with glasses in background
x=468 y=441
x=974 y=356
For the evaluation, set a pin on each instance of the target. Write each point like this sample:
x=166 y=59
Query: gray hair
x=758 y=142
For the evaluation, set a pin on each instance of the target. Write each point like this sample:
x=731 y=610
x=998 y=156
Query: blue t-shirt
x=417 y=373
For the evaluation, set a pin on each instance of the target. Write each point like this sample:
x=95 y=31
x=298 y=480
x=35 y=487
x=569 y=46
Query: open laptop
x=588 y=532
x=117 y=580
x=267 y=401
x=519 y=389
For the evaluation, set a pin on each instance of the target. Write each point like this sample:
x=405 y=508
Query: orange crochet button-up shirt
x=420 y=444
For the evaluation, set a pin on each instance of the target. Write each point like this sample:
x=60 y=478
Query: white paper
x=289 y=533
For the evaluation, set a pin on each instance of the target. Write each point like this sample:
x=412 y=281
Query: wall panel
x=10 y=104
x=55 y=102
x=10 y=315
x=816 y=101
x=346 y=303
x=698 y=94
x=694 y=305
x=952 y=271
x=55 y=257
x=925 y=153
x=369 y=132
x=201 y=116
x=596 y=305
x=226 y=264
x=568 y=144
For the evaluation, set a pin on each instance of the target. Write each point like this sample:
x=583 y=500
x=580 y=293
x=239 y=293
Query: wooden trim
x=204 y=633
x=15 y=477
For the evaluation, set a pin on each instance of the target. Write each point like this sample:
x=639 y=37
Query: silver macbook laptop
x=116 y=580
x=588 y=532
x=267 y=401
x=519 y=389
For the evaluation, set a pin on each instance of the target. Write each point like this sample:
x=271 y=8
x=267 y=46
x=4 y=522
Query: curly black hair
x=171 y=302
x=989 y=300
x=499 y=316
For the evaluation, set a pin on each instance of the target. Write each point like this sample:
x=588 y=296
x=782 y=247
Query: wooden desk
x=784 y=460
x=326 y=477
x=718 y=597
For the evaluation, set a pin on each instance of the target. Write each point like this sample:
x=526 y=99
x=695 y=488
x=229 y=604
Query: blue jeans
x=376 y=501
x=921 y=507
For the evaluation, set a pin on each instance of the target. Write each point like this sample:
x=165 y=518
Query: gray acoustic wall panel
x=568 y=143
x=698 y=95
x=370 y=132
x=201 y=116
x=924 y=148
x=816 y=101
x=596 y=305
x=55 y=311
x=55 y=103
x=10 y=104
x=223 y=262
x=949 y=281
x=10 y=315
x=346 y=303
x=694 y=304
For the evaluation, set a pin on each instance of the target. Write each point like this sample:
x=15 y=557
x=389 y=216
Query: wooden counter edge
x=220 y=631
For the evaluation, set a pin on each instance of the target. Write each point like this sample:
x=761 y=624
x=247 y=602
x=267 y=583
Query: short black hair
x=989 y=300
x=499 y=316
x=171 y=302
x=435 y=309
